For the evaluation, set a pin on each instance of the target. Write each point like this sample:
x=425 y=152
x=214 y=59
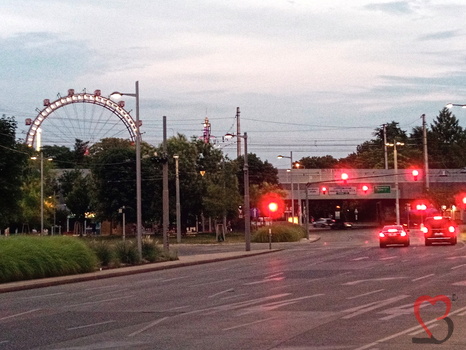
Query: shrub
x=280 y=233
x=127 y=252
x=151 y=250
x=104 y=251
x=26 y=257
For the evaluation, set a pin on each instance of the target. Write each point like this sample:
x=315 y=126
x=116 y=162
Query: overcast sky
x=314 y=77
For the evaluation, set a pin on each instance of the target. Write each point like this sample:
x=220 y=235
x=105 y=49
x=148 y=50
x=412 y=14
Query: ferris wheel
x=83 y=116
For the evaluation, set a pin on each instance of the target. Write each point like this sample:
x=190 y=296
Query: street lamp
x=292 y=184
x=395 y=165
x=247 y=212
x=117 y=94
x=178 y=206
x=450 y=105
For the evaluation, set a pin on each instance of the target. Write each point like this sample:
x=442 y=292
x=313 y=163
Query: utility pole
x=385 y=145
x=426 y=157
x=165 y=217
x=238 y=133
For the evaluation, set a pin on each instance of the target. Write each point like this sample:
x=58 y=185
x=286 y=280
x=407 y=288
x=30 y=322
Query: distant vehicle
x=322 y=222
x=340 y=225
x=393 y=234
x=440 y=229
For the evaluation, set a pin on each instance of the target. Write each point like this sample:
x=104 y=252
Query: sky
x=312 y=77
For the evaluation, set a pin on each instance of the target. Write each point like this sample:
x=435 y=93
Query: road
x=341 y=292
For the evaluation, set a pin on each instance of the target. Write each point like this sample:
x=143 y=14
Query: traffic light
x=344 y=177
x=272 y=205
x=365 y=188
x=415 y=174
x=323 y=190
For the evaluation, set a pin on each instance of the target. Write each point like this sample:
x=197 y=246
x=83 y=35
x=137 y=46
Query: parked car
x=340 y=225
x=322 y=222
x=440 y=229
x=393 y=234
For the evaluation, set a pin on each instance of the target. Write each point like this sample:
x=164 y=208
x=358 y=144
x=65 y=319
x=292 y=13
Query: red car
x=440 y=229
x=393 y=234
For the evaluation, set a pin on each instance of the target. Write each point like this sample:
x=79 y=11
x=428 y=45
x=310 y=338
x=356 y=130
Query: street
x=341 y=292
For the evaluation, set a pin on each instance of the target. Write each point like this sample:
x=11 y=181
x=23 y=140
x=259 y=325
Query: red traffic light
x=272 y=205
x=415 y=174
x=323 y=190
x=365 y=188
x=344 y=177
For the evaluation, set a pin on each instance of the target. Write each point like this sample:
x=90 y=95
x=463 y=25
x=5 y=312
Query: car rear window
x=439 y=223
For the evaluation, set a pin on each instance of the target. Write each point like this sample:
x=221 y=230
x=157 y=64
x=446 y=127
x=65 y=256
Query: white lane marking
x=271 y=278
x=4 y=341
x=103 y=287
x=406 y=331
x=207 y=283
x=150 y=325
x=174 y=279
x=461 y=283
x=455 y=257
x=102 y=301
x=20 y=314
x=248 y=324
x=90 y=325
x=220 y=293
x=352 y=283
x=388 y=258
x=42 y=296
x=276 y=304
x=457 y=267
x=175 y=308
x=422 y=330
x=422 y=277
x=363 y=295
x=359 y=310
x=242 y=304
x=361 y=258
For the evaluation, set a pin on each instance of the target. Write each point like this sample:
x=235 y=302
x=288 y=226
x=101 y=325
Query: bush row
x=31 y=257
x=280 y=233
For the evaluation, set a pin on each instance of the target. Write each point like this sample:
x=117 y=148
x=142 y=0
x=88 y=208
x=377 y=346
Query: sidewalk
x=235 y=251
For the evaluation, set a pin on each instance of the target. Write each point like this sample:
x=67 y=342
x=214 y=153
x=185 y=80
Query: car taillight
x=424 y=229
x=451 y=229
x=381 y=234
x=403 y=233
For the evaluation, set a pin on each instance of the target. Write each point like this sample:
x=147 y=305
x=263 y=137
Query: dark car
x=340 y=225
x=393 y=234
x=440 y=229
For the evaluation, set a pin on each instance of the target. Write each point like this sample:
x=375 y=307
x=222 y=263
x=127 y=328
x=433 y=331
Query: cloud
x=395 y=7
x=447 y=34
x=33 y=56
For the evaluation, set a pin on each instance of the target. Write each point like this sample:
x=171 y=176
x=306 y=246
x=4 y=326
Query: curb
x=184 y=261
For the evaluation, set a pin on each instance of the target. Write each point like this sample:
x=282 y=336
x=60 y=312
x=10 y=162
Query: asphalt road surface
x=341 y=292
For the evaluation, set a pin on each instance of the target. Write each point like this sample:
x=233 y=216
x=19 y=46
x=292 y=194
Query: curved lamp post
x=395 y=164
x=247 y=211
x=117 y=94
x=292 y=183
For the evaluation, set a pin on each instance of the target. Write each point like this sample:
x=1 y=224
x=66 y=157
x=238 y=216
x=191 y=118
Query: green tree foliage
x=325 y=162
x=76 y=188
x=259 y=171
x=113 y=169
x=446 y=142
x=13 y=159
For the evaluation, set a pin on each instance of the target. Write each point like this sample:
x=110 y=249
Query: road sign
x=382 y=189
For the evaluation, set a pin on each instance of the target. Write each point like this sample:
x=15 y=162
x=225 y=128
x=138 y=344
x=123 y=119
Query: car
x=322 y=222
x=340 y=225
x=393 y=234
x=442 y=229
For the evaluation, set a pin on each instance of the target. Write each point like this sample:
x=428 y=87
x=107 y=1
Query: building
x=370 y=194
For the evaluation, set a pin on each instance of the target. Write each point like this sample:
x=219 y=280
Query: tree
x=259 y=171
x=446 y=142
x=325 y=162
x=13 y=159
